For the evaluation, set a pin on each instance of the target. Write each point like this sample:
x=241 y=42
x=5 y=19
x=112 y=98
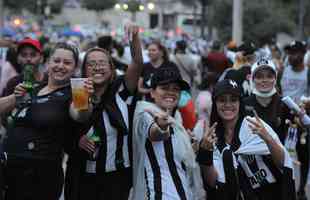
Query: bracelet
x=160 y=130
x=205 y=157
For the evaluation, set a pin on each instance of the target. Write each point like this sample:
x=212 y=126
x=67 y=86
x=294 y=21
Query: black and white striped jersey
x=258 y=169
x=165 y=173
x=115 y=150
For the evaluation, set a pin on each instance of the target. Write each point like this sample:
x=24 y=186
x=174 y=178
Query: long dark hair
x=11 y=57
x=83 y=70
x=220 y=129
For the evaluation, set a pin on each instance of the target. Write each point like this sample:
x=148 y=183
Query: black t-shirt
x=39 y=129
x=13 y=82
x=149 y=70
x=275 y=114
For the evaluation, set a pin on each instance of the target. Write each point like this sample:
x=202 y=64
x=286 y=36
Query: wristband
x=204 y=157
x=162 y=131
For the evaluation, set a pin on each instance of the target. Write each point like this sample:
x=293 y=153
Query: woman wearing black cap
x=264 y=164
x=164 y=160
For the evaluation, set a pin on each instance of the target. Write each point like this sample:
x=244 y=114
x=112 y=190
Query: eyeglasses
x=95 y=64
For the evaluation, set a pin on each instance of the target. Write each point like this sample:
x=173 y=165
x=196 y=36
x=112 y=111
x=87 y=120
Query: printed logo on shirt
x=249 y=159
x=22 y=113
x=59 y=93
x=258 y=177
x=42 y=100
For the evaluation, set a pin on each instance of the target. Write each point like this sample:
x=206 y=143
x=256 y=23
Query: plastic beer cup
x=79 y=93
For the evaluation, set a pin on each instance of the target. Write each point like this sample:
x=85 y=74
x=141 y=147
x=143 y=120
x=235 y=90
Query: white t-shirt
x=164 y=170
x=294 y=84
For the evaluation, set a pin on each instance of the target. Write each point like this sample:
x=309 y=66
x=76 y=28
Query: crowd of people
x=159 y=123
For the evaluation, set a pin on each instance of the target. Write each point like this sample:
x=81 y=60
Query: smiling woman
x=242 y=153
x=101 y=168
x=163 y=159
x=38 y=132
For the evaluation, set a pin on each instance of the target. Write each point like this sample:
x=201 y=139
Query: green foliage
x=98 y=5
x=18 y=5
x=32 y=5
x=133 y=6
x=261 y=19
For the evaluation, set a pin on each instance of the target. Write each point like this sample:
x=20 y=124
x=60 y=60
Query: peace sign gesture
x=209 y=137
x=257 y=126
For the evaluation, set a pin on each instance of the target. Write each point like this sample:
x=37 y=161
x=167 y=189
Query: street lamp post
x=301 y=19
x=204 y=4
x=237 y=21
x=1 y=16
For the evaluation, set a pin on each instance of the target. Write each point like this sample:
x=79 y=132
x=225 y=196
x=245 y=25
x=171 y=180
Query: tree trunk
x=301 y=12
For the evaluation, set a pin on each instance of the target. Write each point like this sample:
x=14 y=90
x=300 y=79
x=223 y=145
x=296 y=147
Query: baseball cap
x=30 y=42
x=226 y=86
x=297 y=46
x=165 y=75
x=263 y=63
x=181 y=44
x=247 y=47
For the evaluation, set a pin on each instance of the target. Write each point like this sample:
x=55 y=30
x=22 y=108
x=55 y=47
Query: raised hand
x=209 y=137
x=133 y=29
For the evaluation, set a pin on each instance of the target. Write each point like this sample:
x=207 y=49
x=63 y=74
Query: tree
x=204 y=14
x=98 y=5
x=262 y=19
x=34 y=6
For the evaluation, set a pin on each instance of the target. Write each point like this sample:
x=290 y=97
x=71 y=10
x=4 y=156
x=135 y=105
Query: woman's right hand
x=20 y=90
x=86 y=144
x=209 y=138
x=89 y=85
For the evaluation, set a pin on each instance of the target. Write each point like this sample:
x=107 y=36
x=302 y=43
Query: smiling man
x=29 y=52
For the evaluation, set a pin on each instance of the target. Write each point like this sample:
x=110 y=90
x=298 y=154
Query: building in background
x=168 y=15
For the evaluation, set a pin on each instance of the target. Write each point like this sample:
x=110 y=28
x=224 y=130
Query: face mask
x=262 y=94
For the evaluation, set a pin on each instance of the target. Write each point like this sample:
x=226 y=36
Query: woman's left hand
x=133 y=29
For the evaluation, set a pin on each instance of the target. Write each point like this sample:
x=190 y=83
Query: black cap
x=181 y=44
x=247 y=48
x=165 y=75
x=297 y=46
x=226 y=86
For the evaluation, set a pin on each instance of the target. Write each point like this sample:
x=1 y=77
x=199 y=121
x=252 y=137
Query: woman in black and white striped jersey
x=108 y=175
x=265 y=168
x=163 y=159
